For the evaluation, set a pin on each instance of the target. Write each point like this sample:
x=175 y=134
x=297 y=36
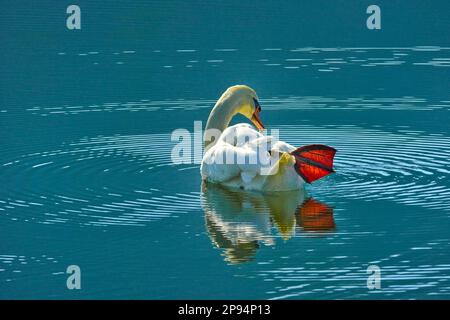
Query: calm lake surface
x=86 y=179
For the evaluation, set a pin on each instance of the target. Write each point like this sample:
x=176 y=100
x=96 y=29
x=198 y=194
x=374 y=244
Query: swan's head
x=243 y=99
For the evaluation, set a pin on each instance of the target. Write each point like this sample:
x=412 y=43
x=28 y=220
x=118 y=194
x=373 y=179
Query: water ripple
x=407 y=167
x=318 y=59
x=406 y=103
x=99 y=181
x=347 y=277
x=107 y=180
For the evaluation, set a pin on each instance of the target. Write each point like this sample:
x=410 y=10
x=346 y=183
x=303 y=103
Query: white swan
x=241 y=157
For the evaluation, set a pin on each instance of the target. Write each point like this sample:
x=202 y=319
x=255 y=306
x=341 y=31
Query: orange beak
x=256 y=120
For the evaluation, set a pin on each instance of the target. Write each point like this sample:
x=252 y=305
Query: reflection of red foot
x=315 y=216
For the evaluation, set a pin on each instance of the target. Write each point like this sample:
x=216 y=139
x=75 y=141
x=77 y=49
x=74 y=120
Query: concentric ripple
x=107 y=180
x=407 y=167
x=99 y=181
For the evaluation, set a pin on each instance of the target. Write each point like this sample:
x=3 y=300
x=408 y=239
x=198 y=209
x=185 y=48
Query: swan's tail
x=314 y=161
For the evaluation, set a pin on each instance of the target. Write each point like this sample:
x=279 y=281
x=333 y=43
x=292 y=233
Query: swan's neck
x=218 y=120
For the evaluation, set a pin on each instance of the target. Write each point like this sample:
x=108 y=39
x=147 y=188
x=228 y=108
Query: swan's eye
x=257 y=105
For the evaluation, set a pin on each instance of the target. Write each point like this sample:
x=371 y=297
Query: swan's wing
x=224 y=162
x=239 y=134
x=242 y=152
x=264 y=142
x=216 y=165
x=282 y=146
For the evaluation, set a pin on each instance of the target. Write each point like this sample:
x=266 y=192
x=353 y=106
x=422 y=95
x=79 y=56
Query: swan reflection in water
x=239 y=222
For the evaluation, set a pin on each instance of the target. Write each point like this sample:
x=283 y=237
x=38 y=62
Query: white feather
x=220 y=163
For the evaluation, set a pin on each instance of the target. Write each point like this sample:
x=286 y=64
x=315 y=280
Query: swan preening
x=241 y=157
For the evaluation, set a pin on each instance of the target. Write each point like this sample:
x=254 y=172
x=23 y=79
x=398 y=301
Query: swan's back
x=242 y=142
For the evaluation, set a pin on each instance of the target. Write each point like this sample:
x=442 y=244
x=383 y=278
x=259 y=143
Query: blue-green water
x=86 y=178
